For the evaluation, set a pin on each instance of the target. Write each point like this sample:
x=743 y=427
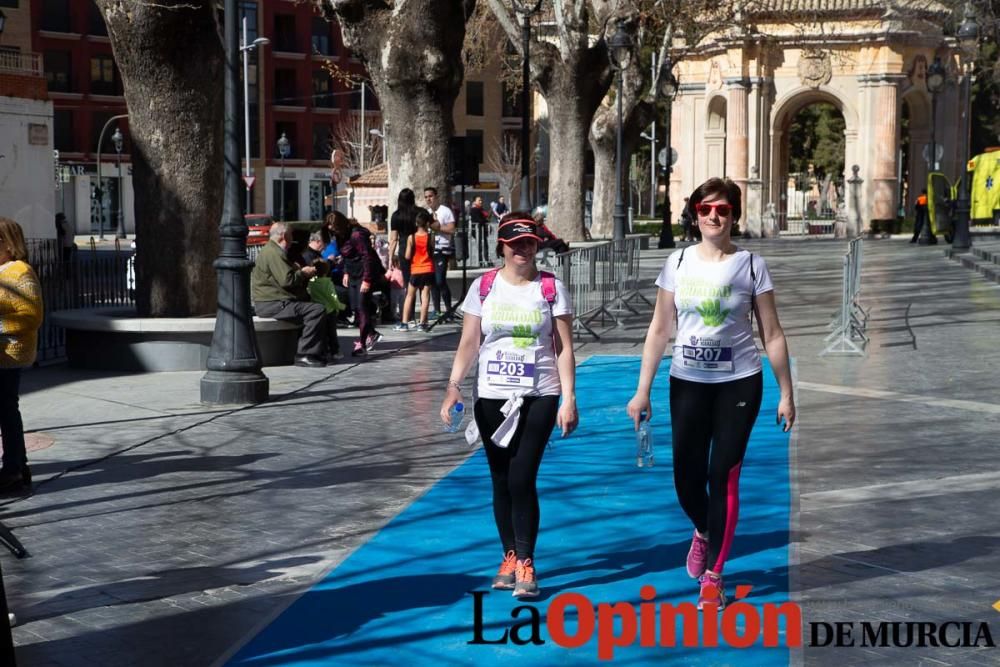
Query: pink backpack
x=548 y=285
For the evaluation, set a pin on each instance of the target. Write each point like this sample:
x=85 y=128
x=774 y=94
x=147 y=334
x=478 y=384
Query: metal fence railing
x=797 y=226
x=602 y=280
x=848 y=335
x=77 y=279
x=82 y=278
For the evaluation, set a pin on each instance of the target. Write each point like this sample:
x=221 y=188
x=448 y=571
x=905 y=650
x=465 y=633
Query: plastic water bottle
x=644 y=443
x=456 y=415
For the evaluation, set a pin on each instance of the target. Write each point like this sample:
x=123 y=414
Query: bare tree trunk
x=175 y=106
x=573 y=75
x=603 y=141
x=413 y=51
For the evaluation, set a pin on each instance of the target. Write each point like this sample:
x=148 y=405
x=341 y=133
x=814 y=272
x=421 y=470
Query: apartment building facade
x=27 y=180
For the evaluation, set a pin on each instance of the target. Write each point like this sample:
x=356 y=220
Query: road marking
x=861 y=392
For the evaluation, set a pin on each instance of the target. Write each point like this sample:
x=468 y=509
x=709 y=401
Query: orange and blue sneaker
x=712 y=591
x=505 y=577
x=697 y=556
x=525 y=586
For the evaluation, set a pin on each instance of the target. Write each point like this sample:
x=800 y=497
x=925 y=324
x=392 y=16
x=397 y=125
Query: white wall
x=27 y=171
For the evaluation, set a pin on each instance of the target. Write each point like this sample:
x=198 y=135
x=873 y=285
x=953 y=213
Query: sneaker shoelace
x=509 y=564
x=525 y=571
x=710 y=580
x=699 y=547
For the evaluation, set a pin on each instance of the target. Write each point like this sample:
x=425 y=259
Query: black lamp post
x=234 y=374
x=117 y=139
x=526 y=8
x=667 y=90
x=538 y=171
x=620 y=52
x=935 y=84
x=284 y=150
x=968 y=37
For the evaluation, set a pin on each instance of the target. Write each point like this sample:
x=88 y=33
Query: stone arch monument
x=739 y=91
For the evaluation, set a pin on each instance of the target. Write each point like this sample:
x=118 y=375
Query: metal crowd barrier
x=602 y=280
x=851 y=319
x=483 y=257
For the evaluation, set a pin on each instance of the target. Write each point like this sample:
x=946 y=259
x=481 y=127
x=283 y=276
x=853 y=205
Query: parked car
x=258 y=224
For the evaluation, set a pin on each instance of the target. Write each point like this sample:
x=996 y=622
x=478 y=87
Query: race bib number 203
x=511 y=368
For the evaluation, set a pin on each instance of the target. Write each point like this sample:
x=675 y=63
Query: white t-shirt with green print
x=714 y=341
x=517 y=355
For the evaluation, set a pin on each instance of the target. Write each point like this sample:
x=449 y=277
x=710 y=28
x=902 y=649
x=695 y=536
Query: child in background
x=418 y=252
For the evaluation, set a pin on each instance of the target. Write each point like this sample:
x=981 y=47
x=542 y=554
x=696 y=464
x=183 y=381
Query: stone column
x=853 y=196
x=752 y=210
x=883 y=149
x=737 y=136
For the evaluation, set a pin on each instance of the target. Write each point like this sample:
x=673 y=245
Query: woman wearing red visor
x=517 y=322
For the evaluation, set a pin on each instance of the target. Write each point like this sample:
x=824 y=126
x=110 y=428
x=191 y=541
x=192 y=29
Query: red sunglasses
x=705 y=210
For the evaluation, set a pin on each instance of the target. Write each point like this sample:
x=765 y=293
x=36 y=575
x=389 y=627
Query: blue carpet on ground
x=607 y=530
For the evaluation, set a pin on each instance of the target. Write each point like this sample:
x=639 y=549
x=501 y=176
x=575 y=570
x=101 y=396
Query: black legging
x=364 y=309
x=11 y=427
x=711 y=426
x=440 y=287
x=515 y=469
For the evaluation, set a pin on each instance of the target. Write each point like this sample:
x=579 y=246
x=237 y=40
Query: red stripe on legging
x=732 y=514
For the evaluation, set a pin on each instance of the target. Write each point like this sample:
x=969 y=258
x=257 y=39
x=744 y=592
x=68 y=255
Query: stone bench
x=116 y=339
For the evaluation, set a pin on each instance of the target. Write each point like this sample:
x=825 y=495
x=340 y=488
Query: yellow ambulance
x=984 y=170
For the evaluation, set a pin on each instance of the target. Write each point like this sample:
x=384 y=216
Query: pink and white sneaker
x=697 y=556
x=712 y=591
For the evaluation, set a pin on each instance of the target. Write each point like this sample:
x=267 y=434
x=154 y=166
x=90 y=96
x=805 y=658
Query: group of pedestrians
x=282 y=286
x=422 y=247
x=517 y=332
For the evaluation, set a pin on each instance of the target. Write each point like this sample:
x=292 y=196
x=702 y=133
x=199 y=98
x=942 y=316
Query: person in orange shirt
x=419 y=247
x=921 y=219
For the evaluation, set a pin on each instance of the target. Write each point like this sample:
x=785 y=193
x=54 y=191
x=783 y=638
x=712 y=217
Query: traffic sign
x=662 y=157
x=938 y=154
x=249 y=180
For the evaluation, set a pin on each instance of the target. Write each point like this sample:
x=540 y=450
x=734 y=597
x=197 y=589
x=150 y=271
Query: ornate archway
x=756 y=81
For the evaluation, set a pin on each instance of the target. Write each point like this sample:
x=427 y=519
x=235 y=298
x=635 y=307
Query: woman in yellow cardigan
x=20 y=319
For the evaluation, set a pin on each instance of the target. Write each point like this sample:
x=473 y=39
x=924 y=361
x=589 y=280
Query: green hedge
x=652 y=228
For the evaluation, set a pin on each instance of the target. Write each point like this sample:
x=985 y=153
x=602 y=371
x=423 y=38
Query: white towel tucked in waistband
x=512 y=411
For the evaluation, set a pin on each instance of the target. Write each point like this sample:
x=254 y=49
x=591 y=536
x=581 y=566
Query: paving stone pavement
x=163 y=532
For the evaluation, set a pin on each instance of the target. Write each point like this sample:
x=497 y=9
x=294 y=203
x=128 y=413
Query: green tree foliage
x=816 y=136
x=986 y=100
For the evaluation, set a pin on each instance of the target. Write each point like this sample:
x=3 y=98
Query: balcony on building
x=22 y=75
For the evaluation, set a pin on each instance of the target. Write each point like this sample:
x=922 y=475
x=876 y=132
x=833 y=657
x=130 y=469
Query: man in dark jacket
x=278 y=290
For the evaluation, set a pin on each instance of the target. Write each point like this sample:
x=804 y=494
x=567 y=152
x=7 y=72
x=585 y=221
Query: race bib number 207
x=708 y=354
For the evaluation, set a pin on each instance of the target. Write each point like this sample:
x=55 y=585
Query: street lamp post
x=234 y=374
x=526 y=8
x=667 y=90
x=620 y=51
x=284 y=150
x=117 y=139
x=375 y=132
x=245 y=50
x=935 y=84
x=99 y=192
x=538 y=171
x=968 y=37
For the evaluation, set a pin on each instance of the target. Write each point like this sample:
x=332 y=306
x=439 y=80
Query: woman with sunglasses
x=712 y=291
x=517 y=326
